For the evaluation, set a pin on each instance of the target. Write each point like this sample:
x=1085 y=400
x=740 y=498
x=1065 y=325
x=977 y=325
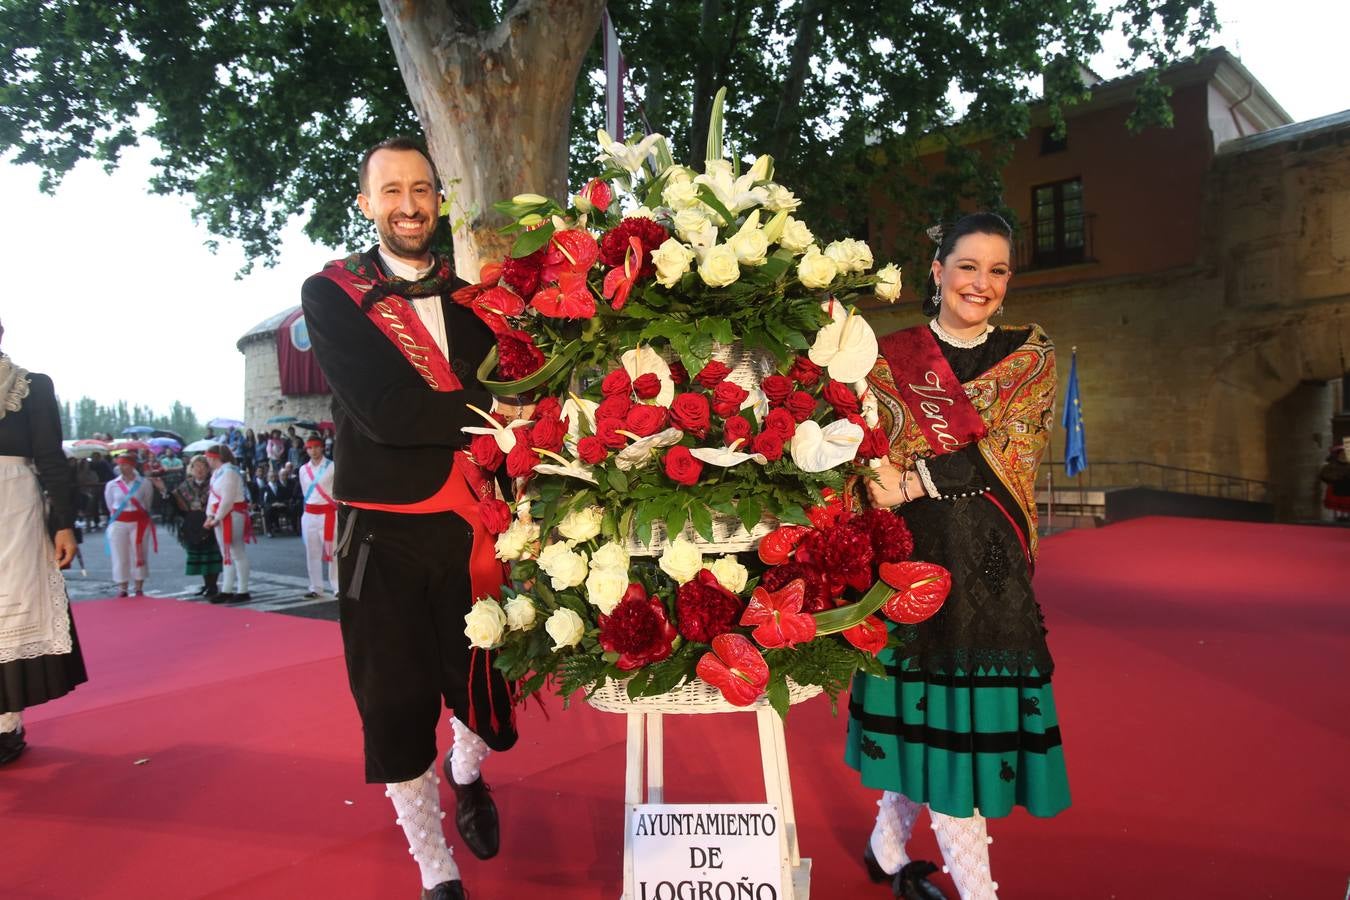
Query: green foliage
x=86 y=417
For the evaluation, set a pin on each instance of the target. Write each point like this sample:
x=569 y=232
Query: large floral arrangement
x=702 y=373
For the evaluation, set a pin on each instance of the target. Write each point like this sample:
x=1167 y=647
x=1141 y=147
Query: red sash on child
x=141 y=517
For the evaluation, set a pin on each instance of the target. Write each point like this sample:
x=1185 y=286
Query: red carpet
x=1202 y=686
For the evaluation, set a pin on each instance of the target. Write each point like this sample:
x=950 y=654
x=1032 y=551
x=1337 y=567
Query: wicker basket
x=694 y=697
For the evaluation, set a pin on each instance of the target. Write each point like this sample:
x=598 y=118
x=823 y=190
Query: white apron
x=34 y=610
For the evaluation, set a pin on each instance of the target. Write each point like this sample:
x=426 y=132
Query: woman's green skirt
x=988 y=741
x=204 y=560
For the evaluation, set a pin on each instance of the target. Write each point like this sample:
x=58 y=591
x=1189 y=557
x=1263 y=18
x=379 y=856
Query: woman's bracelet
x=904 y=491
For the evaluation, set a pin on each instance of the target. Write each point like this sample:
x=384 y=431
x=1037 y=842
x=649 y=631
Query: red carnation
x=523 y=274
x=647 y=386
x=484 y=450
x=644 y=420
x=691 y=413
x=842 y=554
x=517 y=356
x=769 y=444
x=548 y=434
x=728 y=397
x=817 y=589
x=616 y=383
x=801 y=404
x=781 y=423
x=615 y=407
x=614 y=245
x=678 y=373
x=681 y=466
x=890 y=536
x=806 y=372
x=521 y=460
x=841 y=397
x=592 y=450
x=705 y=609
x=607 y=429
x=638 y=630
x=735 y=428
x=495 y=514
x=776 y=388
x=711 y=375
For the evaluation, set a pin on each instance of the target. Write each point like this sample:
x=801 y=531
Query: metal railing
x=1138 y=473
x=1029 y=259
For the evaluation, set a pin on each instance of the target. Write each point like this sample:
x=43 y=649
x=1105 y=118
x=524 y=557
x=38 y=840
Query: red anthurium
x=921 y=589
x=824 y=516
x=620 y=280
x=776 y=546
x=869 y=635
x=736 y=668
x=579 y=250
x=597 y=193
x=778 y=616
x=570 y=298
x=502 y=300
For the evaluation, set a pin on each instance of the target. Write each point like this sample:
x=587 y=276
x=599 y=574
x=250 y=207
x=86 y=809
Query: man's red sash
x=930 y=390
x=227 y=527
x=141 y=517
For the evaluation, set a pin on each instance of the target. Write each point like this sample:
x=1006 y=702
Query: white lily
x=567 y=468
x=726 y=456
x=847 y=347
x=626 y=157
x=640 y=361
x=504 y=435
x=735 y=194
x=639 y=453
x=816 y=449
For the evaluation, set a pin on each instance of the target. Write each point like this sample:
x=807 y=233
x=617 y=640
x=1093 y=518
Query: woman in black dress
x=39 y=653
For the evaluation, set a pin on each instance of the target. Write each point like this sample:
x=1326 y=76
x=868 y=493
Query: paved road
x=277 y=583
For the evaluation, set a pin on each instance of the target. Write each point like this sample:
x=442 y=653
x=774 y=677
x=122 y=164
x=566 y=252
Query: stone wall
x=262 y=386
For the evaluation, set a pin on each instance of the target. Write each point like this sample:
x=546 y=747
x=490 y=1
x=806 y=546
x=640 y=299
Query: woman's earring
x=999 y=311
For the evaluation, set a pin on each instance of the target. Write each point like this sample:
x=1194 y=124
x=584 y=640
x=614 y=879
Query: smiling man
x=401 y=357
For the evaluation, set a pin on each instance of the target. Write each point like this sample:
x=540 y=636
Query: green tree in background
x=87 y=417
x=260 y=109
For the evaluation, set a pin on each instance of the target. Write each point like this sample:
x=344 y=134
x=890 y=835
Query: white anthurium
x=735 y=194
x=504 y=435
x=816 y=449
x=641 y=360
x=624 y=156
x=726 y=457
x=567 y=468
x=639 y=453
x=577 y=410
x=847 y=347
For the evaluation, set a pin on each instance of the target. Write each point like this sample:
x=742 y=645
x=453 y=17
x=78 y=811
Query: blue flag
x=1075 y=443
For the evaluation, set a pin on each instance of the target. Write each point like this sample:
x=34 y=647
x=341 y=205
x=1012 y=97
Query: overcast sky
x=113 y=293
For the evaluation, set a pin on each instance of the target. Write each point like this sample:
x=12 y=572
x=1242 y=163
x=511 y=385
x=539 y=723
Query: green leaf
x=777 y=692
x=531 y=241
x=617 y=480
x=750 y=511
x=702 y=518
x=707 y=195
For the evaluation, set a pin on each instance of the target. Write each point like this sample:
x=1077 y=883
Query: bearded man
x=401 y=356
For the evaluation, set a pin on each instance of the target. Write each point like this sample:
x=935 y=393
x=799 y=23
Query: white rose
x=751 y=244
x=678 y=175
x=780 y=198
x=682 y=196
x=565 y=627
x=581 y=524
x=672 y=260
x=888 y=283
x=816 y=270
x=681 y=560
x=796 y=236
x=689 y=223
x=517 y=541
x=605 y=587
x=719 y=267
x=611 y=556
x=850 y=255
x=520 y=613
x=717 y=168
x=564 y=567
x=730 y=574
x=484 y=623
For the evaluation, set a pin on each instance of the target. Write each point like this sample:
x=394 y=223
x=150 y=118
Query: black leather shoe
x=12 y=746
x=239 y=598
x=446 y=890
x=476 y=816
x=220 y=597
x=874 y=869
x=911 y=882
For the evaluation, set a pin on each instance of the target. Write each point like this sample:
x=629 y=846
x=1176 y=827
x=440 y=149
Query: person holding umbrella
x=129 y=498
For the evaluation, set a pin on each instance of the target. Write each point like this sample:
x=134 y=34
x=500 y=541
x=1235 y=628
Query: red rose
x=616 y=383
x=521 y=460
x=712 y=374
x=776 y=388
x=607 y=430
x=735 y=428
x=638 y=630
x=484 y=450
x=841 y=397
x=592 y=450
x=681 y=466
x=875 y=444
x=548 y=434
x=806 y=372
x=728 y=397
x=781 y=423
x=647 y=386
x=802 y=405
x=678 y=373
x=644 y=420
x=548 y=408
x=615 y=407
x=769 y=444
x=705 y=609
x=691 y=413
x=496 y=515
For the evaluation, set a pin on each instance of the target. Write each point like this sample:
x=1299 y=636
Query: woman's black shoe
x=12 y=745
x=874 y=869
x=911 y=882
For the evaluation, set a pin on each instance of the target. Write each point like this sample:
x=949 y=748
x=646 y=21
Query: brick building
x=263 y=397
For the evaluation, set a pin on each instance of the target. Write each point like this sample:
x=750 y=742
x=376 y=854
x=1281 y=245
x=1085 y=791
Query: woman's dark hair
x=975 y=223
x=224 y=452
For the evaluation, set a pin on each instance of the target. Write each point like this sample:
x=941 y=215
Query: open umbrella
x=166 y=433
x=159 y=443
x=127 y=446
x=326 y=425
x=282 y=420
x=74 y=449
x=224 y=422
x=138 y=429
x=200 y=446
x=307 y=423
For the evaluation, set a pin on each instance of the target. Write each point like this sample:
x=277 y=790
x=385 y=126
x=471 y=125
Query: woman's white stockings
x=964 y=843
x=418 y=804
x=895 y=822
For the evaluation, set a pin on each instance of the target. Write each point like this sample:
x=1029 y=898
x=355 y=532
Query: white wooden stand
x=645 y=745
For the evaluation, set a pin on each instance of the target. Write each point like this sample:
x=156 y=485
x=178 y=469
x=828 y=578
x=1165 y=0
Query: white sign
x=707 y=851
